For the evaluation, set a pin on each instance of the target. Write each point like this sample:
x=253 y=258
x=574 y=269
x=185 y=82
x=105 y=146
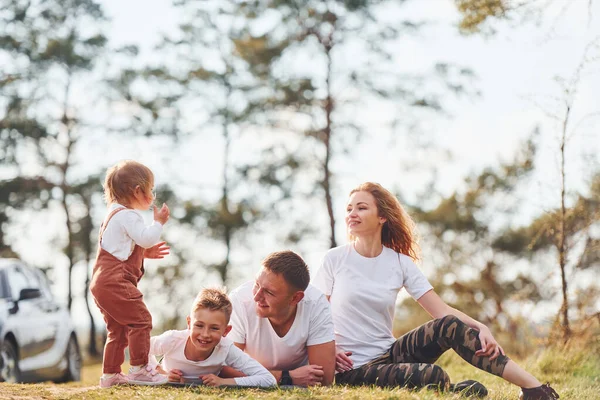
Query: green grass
x=575 y=374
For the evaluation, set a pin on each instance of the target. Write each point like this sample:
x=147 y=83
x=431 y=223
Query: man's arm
x=323 y=355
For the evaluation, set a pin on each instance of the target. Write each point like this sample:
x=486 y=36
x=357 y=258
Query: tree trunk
x=88 y=226
x=562 y=251
x=65 y=191
x=327 y=141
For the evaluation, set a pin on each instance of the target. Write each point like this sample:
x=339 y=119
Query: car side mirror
x=26 y=294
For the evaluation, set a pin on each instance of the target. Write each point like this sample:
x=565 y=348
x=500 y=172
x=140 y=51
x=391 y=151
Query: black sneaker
x=469 y=388
x=544 y=392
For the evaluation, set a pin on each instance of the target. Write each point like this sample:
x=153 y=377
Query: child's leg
x=428 y=342
x=126 y=307
x=114 y=349
x=140 y=325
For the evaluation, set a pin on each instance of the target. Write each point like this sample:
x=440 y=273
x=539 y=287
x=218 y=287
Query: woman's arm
x=437 y=308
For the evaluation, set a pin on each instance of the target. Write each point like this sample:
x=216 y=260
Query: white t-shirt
x=126 y=229
x=313 y=325
x=363 y=297
x=171 y=345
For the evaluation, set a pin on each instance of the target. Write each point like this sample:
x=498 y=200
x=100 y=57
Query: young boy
x=199 y=352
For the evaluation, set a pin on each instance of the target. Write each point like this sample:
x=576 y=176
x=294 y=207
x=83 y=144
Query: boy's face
x=207 y=327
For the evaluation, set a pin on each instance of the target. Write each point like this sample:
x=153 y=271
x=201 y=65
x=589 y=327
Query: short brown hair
x=122 y=179
x=291 y=266
x=214 y=299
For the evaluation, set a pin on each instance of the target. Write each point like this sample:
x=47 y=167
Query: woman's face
x=362 y=215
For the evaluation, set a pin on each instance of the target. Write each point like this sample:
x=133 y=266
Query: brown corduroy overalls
x=128 y=321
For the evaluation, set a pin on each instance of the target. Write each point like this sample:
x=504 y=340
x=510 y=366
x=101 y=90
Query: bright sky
x=515 y=68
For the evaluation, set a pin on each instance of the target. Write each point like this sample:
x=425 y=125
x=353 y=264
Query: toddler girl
x=123 y=243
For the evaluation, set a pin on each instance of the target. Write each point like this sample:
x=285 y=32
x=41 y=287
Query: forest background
x=258 y=117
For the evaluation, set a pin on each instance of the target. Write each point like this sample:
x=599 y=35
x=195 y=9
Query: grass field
x=575 y=374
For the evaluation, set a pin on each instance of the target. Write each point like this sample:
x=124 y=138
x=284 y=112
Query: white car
x=37 y=337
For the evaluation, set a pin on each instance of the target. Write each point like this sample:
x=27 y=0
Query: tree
x=465 y=232
x=215 y=87
x=557 y=225
x=569 y=227
x=52 y=49
x=481 y=16
x=327 y=85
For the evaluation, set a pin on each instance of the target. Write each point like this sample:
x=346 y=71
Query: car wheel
x=10 y=372
x=73 y=358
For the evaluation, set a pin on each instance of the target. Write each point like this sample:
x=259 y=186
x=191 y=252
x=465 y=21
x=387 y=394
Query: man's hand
x=161 y=215
x=307 y=375
x=159 y=250
x=176 y=375
x=343 y=362
x=212 y=380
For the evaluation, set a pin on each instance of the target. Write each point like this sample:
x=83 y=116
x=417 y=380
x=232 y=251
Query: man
x=284 y=323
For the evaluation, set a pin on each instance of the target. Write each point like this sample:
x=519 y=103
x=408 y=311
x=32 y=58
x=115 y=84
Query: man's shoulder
x=242 y=292
x=314 y=300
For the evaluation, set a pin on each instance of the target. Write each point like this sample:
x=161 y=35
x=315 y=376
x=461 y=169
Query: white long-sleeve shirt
x=171 y=345
x=126 y=229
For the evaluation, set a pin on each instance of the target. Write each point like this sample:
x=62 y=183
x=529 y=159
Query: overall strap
x=105 y=223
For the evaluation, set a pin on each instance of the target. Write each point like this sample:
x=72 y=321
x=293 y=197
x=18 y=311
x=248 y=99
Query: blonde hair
x=122 y=179
x=214 y=299
x=399 y=232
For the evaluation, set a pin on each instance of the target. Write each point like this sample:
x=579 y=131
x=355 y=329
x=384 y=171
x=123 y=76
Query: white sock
x=107 y=376
x=136 y=368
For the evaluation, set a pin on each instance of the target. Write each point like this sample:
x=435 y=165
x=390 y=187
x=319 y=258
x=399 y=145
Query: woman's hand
x=343 y=362
x=159 y=250
x=489 y=346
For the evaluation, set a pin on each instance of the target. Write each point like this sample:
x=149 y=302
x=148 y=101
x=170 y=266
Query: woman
x=362 y=280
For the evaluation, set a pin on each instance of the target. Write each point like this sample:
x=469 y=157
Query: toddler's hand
x=161 y=215
x=158 y=251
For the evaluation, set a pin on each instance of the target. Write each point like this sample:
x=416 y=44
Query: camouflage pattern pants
x=409 y=362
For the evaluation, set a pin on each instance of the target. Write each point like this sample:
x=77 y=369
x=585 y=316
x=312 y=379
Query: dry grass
x=574 y=373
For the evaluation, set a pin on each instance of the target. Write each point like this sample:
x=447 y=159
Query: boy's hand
x=159 y=250
x=212 y=380
x=161 y=215
x=176 y=375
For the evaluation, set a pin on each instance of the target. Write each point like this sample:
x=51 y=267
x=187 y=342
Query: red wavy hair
x=399 y=232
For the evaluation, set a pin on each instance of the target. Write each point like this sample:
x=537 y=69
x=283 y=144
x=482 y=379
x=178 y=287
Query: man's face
x=272 y=294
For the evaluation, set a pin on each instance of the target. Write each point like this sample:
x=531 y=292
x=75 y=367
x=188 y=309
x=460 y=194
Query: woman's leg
x=411 y=375
x=428 y=342
x=517 y=375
